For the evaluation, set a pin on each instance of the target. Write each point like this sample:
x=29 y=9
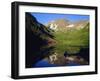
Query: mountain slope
x=72 y=41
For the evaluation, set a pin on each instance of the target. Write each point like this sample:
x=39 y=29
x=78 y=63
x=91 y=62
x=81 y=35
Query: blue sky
x=44 y=18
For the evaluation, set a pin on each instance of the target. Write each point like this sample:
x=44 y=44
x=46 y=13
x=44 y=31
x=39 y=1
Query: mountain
x=81 y=24
x=63 y=24
x=70 y=36
x=37 y=40
x=59 y=24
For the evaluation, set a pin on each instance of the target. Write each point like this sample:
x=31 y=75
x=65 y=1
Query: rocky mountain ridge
x=63 y=24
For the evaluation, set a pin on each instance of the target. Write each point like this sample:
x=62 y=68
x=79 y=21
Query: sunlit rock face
x=39 y=41
x=53 y=27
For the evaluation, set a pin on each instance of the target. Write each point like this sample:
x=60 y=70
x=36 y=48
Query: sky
x=44 y=18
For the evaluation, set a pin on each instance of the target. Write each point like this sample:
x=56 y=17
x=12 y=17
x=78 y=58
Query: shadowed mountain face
x=37 y=41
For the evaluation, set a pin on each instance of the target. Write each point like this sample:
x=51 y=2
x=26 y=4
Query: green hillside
x=72 y=41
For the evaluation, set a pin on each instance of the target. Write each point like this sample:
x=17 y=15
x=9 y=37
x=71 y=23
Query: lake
x=44 y=63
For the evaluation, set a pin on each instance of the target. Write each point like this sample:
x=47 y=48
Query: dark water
x=44 y=63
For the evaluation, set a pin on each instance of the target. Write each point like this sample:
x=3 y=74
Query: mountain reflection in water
x=44 y=63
